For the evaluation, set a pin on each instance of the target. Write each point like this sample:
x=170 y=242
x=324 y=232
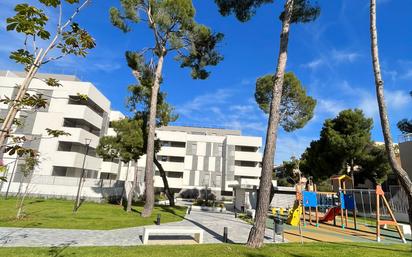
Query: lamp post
x=77 y=202
x=11 y=177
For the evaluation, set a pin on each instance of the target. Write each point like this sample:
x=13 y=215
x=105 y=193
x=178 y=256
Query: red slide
x=332 y=212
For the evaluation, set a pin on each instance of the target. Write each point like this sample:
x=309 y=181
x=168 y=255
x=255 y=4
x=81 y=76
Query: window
x=176 y=159
x=79 y=123
x=173 y=174
x=194 y=148
x=77 y=100
x=178 y=144
x=240 y=148
x=76 y=147
x=220 y=149
x=245 y=163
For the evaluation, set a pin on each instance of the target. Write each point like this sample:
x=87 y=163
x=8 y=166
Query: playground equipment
x=339 y=203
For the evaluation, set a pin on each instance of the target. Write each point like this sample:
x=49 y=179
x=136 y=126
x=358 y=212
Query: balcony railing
x=405 y=138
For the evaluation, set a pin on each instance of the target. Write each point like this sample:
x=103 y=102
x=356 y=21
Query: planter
x=208 y=209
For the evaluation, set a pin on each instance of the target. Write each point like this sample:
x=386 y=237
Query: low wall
x=65 y=188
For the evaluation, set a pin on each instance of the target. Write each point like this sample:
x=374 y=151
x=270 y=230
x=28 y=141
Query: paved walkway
x=211 y=223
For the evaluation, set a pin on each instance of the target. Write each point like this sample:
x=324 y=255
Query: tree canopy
x=345 y=141
x=296 y=106
x=127 y=144
x=405 y=125
x=174 y=29
x=244 y=10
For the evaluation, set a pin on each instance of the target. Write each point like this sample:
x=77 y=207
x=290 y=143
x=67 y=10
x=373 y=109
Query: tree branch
x=78 y=9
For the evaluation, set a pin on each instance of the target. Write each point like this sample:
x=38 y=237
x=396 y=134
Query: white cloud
x=397 y=99
x=344 y=56
x=331 y=59
x=291 y=144
x=204 y=102
x=329 y=107
x=314 y=64
x=407 y=74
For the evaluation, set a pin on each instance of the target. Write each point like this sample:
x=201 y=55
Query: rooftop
x=20 y=74
x=202 y=130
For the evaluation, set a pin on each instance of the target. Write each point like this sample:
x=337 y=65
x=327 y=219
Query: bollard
x=235 y=214
x=225 y=235
x=274 y=230
x=278 y=227
x=158 y=219
x=189 y=210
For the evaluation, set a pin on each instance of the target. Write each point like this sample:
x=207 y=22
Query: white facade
x=61 y=159
x=192 y=157
x=204 y=157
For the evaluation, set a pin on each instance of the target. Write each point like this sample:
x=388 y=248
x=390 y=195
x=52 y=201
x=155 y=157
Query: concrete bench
x=173 y=231
x=406 y=229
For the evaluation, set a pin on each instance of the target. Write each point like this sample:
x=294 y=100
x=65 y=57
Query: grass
x=50 y=213
x=228 y=250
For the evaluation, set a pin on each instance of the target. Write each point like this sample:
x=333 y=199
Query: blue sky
x=331 y=56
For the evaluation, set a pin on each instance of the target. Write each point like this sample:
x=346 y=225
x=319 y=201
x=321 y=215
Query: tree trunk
x=257 y=232
x=21 y=204
x=397 y=169
x=165 y=182
x=134 y=184
x=124 y=186
x=149 y=201
x=14 y=108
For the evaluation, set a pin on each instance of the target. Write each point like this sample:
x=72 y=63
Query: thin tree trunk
x=21 y=204
x=397 y=169
x=124 y=186
x=134 y=184
x=14 y=108
x=165 y=182
x=257 y=232
x=149 y=201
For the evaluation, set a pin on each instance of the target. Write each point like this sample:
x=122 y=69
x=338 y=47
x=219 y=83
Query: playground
x=343 y=215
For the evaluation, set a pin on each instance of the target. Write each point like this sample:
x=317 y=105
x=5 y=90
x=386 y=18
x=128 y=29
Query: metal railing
x=405 y=138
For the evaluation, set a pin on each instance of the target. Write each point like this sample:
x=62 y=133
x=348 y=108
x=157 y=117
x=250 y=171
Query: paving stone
x=211 y=223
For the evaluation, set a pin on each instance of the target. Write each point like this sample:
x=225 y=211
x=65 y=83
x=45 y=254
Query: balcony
x=405 y=138
x=247 y=171
x=75 y=160
x=172 y=151
x=85 y=113
x=248 y=156
x=109 y=167
x=79 y=135
x=173 y=182
x=173 y=166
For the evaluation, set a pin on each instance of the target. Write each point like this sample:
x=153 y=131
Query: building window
x=245 y=164
x=194 y=149
x=76 y=148
x=240 y=148
x=77 y=100
x=220 y=149
x=178 y=144
x=173 y=174
x=176 y=159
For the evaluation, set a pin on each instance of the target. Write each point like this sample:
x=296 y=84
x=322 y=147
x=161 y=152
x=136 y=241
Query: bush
x=190 y=194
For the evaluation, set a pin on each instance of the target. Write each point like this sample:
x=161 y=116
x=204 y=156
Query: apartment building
x=61 y=159
x=405 y=149
x=206 y=157
x=192 y=157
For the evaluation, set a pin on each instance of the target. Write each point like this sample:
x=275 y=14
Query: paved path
x=211 y=223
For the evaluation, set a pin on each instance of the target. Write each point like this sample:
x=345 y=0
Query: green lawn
x=58 y=214
x=228 y=250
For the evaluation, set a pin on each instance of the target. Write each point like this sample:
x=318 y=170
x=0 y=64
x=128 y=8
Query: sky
x=331 y=57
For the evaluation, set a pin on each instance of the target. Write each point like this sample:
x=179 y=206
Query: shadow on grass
x=377 y=247
x=57 y=251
